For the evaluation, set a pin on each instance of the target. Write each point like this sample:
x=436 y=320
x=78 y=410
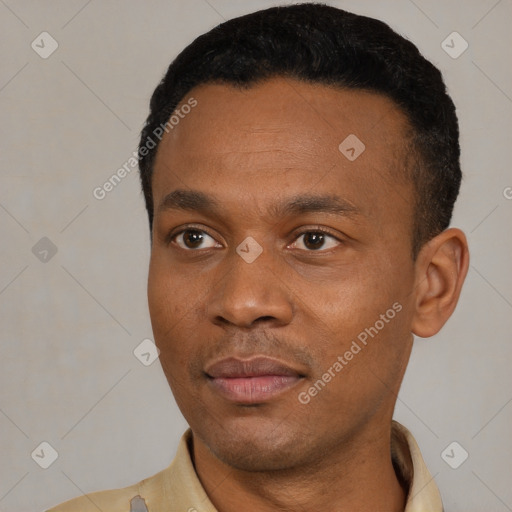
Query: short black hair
x=317 y=43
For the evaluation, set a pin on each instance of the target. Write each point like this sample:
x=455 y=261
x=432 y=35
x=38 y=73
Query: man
x=300 y=166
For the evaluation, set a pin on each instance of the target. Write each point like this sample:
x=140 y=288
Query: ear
x=440 y=270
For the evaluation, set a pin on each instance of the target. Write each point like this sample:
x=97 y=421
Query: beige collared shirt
x=177 y=488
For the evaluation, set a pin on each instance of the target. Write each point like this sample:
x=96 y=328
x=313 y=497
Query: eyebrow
x=316 y=204
x=193 y=200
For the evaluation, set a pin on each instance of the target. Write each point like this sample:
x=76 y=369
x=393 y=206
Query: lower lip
x=250 y=390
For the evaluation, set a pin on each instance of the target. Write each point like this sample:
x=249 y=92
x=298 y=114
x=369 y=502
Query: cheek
x=368 y=304
x=170 y=297
x=168 y=308
x=176 y=303
x=349 y=303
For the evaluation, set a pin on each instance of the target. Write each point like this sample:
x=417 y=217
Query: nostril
x=265 y=319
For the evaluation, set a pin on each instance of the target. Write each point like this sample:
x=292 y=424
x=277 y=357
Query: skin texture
x=253 y=151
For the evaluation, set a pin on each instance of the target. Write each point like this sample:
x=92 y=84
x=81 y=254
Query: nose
x=250 y=294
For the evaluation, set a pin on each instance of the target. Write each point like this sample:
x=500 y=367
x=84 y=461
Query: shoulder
x=133 y=497
x=113 y=501
x=174 y=489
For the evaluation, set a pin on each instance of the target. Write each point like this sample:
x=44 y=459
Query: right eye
x=190 y=239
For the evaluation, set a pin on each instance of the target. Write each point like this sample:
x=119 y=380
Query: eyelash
x=171 y=237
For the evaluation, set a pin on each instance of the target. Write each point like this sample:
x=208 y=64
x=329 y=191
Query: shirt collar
x=423 y=494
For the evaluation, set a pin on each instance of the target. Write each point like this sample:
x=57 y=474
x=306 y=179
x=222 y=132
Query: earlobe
x=441 y=268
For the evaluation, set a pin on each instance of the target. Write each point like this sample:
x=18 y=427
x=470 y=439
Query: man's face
x=246 y=342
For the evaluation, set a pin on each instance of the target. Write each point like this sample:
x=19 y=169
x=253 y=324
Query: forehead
x=284 y=134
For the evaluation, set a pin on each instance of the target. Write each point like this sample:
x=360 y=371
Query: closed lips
x=231 y=368
x=252 y=381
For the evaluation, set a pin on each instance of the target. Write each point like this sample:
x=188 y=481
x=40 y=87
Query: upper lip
x=232 y=367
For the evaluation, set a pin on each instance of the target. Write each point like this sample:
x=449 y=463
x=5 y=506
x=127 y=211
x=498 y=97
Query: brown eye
x=315 y=241
x=194 y=239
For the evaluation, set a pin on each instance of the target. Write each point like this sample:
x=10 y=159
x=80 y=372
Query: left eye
x=314 y=241
x=194 y=239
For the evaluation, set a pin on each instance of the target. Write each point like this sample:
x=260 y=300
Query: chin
x=255 y=456
x=255 y=446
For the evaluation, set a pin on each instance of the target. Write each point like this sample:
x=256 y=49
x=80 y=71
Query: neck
x=358 y=476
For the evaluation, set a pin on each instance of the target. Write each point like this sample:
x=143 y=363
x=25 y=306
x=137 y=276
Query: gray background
x=70 y=323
